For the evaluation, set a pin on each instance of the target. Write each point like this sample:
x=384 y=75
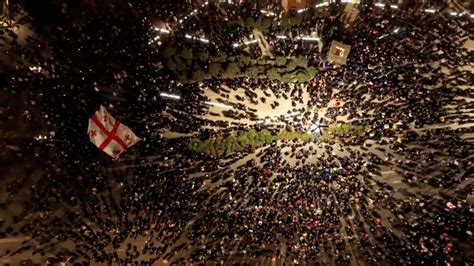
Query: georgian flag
x=108 y=134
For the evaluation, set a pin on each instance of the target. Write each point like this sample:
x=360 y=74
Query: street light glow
x=162 y=30
x=219 y=105
x=322 y=4
x=35 y=68
x=250 y=42
x=166 y=95
x=203 y=40
x=41 y=137
x=383 y=5
x=301 y=10
x=268 y=13
x=309 y=38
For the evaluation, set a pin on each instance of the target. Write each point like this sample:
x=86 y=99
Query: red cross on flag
x=108 y=134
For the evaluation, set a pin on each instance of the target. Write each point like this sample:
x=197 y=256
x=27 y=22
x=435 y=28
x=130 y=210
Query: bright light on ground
x=219 y=105
x=166 y=95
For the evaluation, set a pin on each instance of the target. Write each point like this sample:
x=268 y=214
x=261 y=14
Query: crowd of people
x=292 y=201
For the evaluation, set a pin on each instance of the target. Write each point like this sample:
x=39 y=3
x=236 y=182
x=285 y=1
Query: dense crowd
x=298 y=202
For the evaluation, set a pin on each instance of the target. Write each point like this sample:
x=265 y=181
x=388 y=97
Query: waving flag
x=108 y=134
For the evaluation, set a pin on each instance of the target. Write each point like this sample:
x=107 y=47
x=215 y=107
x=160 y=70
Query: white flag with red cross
x=109 y=135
